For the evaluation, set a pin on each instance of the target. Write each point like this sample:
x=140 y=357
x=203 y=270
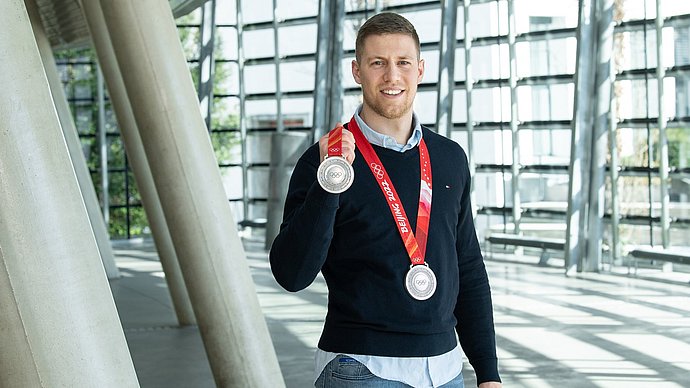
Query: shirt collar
x=386 y=141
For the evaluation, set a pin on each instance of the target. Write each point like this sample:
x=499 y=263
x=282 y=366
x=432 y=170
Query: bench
x=671 y=255
x=259 y=223
x=542 y=243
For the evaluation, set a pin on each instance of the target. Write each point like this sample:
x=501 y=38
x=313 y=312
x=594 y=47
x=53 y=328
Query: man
x=403 y=276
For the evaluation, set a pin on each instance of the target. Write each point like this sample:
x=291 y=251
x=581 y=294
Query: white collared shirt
x=418 y=372
x=389 y=142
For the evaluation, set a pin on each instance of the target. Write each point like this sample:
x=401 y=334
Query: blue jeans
x=353 y=374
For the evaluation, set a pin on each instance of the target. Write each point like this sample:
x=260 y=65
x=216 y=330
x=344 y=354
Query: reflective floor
x=590 y=331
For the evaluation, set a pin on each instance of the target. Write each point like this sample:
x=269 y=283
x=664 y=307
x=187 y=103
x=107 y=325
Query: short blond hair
x=383 y=24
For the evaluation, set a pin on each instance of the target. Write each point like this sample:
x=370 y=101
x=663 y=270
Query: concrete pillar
x=328 y=88
x=286 y=148
x=58 y=326
x=583 y=122
x=446 y=68
x=140 y=165
x=596 y=206
x=159 y=85
x=69 y=131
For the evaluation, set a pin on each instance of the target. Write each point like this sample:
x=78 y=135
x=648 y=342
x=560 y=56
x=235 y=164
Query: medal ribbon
x=335 y=142
x=415 y=246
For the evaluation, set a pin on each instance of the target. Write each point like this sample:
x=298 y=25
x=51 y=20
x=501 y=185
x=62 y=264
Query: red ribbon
x=415 y=246
x=335 y=142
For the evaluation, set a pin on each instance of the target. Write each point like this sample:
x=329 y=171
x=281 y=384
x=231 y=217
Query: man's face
x=389 y=71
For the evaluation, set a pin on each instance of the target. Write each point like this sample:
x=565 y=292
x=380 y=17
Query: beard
x=391 y=111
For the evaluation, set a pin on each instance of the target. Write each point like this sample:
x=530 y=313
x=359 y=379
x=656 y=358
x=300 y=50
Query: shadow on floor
x=593 y=330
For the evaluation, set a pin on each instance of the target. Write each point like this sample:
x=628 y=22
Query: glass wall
x=638 y=136
x=102 y=145
x=515 y=123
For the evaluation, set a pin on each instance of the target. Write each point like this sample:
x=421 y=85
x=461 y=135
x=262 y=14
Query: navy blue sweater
x=353 y=240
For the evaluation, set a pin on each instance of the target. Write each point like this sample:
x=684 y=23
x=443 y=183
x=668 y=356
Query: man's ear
x=355 y=71
x=420 y=69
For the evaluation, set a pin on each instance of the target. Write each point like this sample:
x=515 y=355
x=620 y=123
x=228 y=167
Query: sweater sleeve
x=474 y=311
x=301 y=247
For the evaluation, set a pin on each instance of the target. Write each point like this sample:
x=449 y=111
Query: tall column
x=514 y=128
x=59 y=323
x=469 y=87
x=243 y=118
x=137 y=159
x=662 y=123
x=276 y=63
x=583 y=121
x=591 y=261
x=446 y=68
x=328 y=86
x=286 y=149
x=159 y=85
x=73 y=145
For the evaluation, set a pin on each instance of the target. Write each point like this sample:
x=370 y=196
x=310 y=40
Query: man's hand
x=348 y=148
x=490 y=384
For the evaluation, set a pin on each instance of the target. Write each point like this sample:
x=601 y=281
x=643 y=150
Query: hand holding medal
x=335 y=173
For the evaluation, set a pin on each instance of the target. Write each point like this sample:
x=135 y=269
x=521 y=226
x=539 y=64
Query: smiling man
x=382 y=209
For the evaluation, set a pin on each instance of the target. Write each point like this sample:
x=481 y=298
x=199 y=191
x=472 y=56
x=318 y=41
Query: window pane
x=544 y=147
x=232 y=181
x=292 y=9
x=226 y=12
x=493 y=59
x=297 y=76
x=493 y=189
x=495 y=19
x=540 y=15
x=226 y=43
x=259 y=147
x=460 y=106
x=226 y=78
x=227 y=147
x=258 y=43
x=258 y=182
x=260 y=113
x=425 y=106
x=116 y=152
x=225 y=113
x=546 y=57
x=297 y=112
x=544 y=191
x=255 y=11
x=297 y=39
x=545 y=102
x=636 y=49
x=85 y=119
x=427 y=23
x=257 y=211
x=260 y=79
x=189 y=38
x=640 y=9
x=680 y=237
x=491 y=104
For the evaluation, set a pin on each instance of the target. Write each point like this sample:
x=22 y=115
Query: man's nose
x=392 y=73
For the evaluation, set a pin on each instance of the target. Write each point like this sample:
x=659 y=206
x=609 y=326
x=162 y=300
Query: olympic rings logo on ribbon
x=334 y=149
x=377 y=170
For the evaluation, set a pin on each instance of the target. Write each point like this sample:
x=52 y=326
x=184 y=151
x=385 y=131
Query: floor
x=596 y=330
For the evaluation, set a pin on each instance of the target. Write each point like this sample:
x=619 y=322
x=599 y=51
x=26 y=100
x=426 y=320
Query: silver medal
x=420 y=282
x=335 y=174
